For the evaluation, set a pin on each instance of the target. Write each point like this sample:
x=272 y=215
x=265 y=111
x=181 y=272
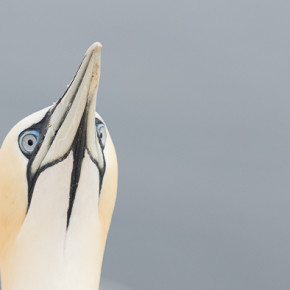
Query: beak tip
x=95 y=47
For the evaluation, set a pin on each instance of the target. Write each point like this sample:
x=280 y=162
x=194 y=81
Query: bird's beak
x=71 y=121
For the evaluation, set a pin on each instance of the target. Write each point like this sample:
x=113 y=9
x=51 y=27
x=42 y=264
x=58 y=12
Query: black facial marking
x=103 y=169
x=42 y=127
x=78 y=148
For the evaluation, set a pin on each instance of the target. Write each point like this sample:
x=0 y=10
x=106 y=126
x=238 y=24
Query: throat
x=46 y=254
x=45 y=265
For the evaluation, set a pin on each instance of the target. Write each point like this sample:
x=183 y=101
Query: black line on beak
x=78 y=148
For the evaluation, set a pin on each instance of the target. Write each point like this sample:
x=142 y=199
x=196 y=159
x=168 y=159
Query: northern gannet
x=58 y=184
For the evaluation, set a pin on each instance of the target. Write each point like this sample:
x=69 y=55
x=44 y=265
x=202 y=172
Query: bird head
x=58 y=179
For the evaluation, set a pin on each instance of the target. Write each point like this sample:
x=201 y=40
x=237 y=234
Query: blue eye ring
x=28 y=141
x=102 y=134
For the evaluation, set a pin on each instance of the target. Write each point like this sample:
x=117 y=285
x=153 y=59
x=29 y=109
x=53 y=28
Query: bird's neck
x=35 y=263
x=45 y=254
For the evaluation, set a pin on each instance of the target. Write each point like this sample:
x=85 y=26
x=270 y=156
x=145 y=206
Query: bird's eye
x=28 y=141
x=102 y=134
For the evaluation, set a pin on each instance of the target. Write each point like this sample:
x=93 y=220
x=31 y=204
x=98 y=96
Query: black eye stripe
x=98 y=122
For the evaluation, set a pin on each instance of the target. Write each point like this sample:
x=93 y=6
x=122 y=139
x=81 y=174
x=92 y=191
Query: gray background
x=196 y=96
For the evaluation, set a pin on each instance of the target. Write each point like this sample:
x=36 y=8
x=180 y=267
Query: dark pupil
x=101 y=135
x=30 y=142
